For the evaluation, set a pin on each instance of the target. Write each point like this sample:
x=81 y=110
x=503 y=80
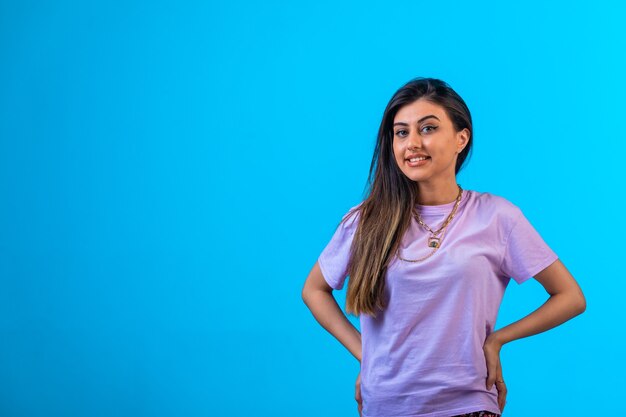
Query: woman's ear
x=462 y=139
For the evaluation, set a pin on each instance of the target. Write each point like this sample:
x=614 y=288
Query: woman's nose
x=415 y=140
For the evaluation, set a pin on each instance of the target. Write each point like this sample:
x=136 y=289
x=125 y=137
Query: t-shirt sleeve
x=333 y=260
x=525 y=253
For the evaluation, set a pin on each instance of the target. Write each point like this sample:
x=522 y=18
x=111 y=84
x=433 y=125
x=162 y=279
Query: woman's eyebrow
x=420 y=120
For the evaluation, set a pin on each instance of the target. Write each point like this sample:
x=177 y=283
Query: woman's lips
x=417 y=163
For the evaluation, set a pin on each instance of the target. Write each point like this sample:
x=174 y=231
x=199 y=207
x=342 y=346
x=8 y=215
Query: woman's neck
x=429 y=195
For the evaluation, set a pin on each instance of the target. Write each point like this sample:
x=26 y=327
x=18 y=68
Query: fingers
x=501 y=395
x=502 y=389
x=492 y=359
x=492 y=371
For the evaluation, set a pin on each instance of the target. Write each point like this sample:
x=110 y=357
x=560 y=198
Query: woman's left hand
x=494 y=368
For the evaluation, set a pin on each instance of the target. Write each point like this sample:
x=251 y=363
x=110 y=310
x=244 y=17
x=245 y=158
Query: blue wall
x=169 y=173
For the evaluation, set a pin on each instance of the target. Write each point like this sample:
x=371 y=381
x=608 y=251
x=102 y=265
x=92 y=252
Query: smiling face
x=424 y=128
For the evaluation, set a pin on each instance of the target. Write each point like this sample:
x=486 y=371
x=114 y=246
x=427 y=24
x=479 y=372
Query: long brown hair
x=385 y=214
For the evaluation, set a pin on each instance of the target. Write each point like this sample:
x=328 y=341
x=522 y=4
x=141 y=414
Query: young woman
x=428 y=263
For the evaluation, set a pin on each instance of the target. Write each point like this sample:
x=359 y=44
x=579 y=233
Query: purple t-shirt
x=423 y=356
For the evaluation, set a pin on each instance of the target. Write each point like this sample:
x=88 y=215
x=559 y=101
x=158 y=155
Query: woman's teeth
x=421 y=158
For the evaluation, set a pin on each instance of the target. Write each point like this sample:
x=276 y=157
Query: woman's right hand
x=357 y=396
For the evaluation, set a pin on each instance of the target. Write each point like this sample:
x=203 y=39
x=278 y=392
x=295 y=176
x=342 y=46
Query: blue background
x=170 y=171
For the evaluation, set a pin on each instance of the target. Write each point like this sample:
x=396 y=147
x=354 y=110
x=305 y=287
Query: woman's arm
x=566 y=301
x=318 y=296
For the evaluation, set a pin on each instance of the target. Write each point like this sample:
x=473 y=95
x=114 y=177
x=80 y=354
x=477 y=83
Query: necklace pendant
x=433 y=242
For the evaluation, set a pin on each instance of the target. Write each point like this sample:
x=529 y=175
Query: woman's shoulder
x=498 y=204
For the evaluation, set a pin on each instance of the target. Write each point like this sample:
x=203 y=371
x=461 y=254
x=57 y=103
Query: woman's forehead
x=412 y=112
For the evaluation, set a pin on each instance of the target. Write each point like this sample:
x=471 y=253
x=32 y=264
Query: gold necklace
x=434 y=241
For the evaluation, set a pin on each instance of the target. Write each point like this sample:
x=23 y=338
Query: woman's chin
x=415 y=177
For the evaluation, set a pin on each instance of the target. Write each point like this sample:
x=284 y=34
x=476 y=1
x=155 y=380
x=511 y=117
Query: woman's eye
x=425 y=129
